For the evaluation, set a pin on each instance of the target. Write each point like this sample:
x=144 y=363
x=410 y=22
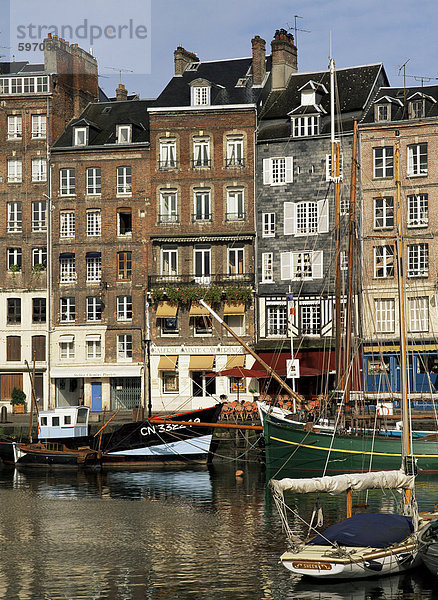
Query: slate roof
x=102 y=118
x=399 y=108
x=223 y=75
x=355 y=88
x=21 y=67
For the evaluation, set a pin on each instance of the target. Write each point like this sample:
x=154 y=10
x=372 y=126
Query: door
x=96 y=396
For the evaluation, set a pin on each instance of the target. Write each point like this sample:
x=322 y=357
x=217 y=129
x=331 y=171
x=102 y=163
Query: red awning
x=312 y=363
x=239 y=372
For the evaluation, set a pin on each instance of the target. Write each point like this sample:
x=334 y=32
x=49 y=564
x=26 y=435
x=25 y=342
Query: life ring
x=383 y=410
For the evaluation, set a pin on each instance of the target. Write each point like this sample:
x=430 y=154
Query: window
x=418 y=260
x=268 y=224
x=24 y=85
x=124 y=180
x=301 y=265
x=202 y=205
x=202 y=264
x=94 y=227
x=14 y=311
x=170 y=381
x=67 y=310
x=385 y=315
x=278 y=171
x=94 y=347
x=236 y=260
x=124 y=222
x=66 y=348
x=416 y=109
x=124 y=348
x=328 y=166
x=237 y=324
x=14 y=259
x=384 y=261
x=418 y=210
x=235 y=205
x=67 y=224
x=15 y=170
x=418 y=314
x=202 y=325
x=200 y=95
x=267 y=267
x=15 y=124
x=124 y=308
x=94 y=181
x=80 y=136
x=305 y=126
x=169 y=326
x=310 y=319
x=235 y=151
x=383 y=112
x=124 y=134
x=124 y=265
x=168 y=206
x=67 y=182
x=276 y=320
x=344 y=260
x=13 y=348
x=383 y=161
x=94 y=308
x=39 y=169
x=94 y=266
x=39 y=126
x=202 y=386
x=15 y=217
x=384 y=212
x=201 y=152
x=169 y=262
x=39 y=258
x=417 y=160
x=38 y=310
x=39 y=216
x=306 y=218
x=167 y=153
x=67 y=268
x=39 y=347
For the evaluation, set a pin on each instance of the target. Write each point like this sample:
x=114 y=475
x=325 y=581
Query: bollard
x=4 y=415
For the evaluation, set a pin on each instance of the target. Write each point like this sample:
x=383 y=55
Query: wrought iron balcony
x=202 y=218
x=234 y=162
x=165 y=165
x=214 y=278
x=235 y=216
x=201 y=163
x=166 y=218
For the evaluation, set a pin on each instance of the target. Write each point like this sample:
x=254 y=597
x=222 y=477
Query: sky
x=394 y=32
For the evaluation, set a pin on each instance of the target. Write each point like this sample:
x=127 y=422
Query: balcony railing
x=202 y=218
x=201 y=163
x=166 y=218
x=234 y=162
x=235 y=216
x=214 y=278
x=164 y=165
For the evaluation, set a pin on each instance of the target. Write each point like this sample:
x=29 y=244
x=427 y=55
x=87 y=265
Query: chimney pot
x=121 y=93
x=284 y=58
x=258 y=60
x=182 y=59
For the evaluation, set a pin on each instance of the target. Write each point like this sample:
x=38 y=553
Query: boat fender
x=239 y=473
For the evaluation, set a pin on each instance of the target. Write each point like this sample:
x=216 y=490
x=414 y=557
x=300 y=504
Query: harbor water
x=189 y=534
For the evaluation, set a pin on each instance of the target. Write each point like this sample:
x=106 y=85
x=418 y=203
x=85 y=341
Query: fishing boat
x=428 y=546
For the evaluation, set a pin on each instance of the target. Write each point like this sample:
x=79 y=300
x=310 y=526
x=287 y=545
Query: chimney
x=182 y=59
x=258 y=60
x=284 y=58
x=121 y=93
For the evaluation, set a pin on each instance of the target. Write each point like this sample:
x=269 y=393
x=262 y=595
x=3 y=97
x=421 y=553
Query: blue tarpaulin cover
x=377 y=530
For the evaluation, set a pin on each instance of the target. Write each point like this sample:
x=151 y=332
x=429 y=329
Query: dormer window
x=80 y=136
x=305 y=126
x=124 y=134
x=383 y=112
x=200 y=96
x=416 y=109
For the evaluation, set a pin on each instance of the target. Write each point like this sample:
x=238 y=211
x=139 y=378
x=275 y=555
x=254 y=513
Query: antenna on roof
x=421 y=78
x=295 y=28
x=120 y=70
x=404 y=85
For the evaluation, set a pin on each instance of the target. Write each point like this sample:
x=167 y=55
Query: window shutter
x=267 y=166
x=317 y=264
x=289 y=169
x=39 y=347
x=328 y=163
x=290 y=218
x=323 y=216
x=286 y=265
x=13 y=347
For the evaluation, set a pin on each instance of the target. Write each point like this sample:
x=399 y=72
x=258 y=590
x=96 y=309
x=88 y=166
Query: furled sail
x=392 y=480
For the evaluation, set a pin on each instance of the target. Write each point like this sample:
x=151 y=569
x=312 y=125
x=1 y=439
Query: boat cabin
x=65 y=422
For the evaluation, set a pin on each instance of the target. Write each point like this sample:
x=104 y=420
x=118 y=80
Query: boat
x=428 y=546
x=64 y=440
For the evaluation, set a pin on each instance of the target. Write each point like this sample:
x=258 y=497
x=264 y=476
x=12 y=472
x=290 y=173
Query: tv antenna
x=403 y=68
x=422 y=78
x=295 y=28
x=120 y=70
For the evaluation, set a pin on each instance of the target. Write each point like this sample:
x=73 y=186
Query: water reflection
x=164 y=535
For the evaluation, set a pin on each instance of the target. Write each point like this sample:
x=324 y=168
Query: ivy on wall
x=213 y=294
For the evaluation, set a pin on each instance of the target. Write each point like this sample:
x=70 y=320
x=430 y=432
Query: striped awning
x=234 y=309
x=166 y=310
x=196 y=310
x=66 y=338
x=201 y=363
x=235 y=361
x=168 y=363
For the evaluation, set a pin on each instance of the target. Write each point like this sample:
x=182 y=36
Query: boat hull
x=292 y=447
x=428 y=542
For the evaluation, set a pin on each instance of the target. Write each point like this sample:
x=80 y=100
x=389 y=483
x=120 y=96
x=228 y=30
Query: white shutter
x=290 y=218
x=328 y=162
x=289 y=169
x=317 y=264
x=286 y=265
x=267 y=170
x=323 y=216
